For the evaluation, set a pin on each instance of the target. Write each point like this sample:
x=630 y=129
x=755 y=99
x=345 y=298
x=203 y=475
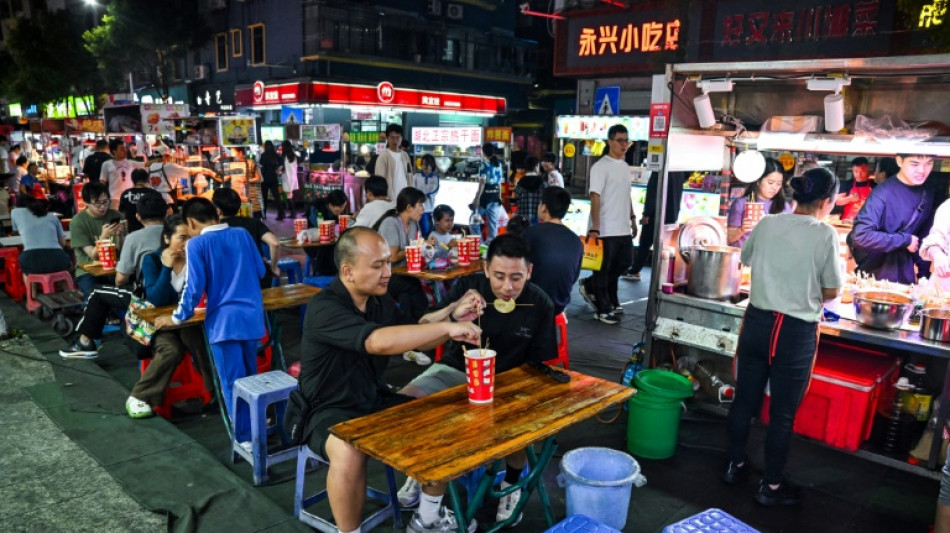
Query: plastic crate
x=710 y=520
x=578 y=523
x=845 y=388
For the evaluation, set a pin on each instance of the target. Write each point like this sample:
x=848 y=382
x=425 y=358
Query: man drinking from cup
x=349 y=331
x=518 y=333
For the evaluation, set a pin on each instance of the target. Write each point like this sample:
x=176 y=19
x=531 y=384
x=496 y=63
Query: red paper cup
x=463 y=253
x=344 y=222
x=326 y=231
x=474 y=248
x=480 y=374
x=300 y=224
x=106 y=253
x=203 y=304
x=414 y=258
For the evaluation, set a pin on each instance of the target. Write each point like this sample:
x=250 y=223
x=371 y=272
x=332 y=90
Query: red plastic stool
x=265 y=354
x=560 y=322
x=8 y=254
x=439 y=351
x=47 y=283
x=14 y=286
x=186 y=384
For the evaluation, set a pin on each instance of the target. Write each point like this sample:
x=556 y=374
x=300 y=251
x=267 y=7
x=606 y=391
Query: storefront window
x=221 y=52
x=257 y=44
x=237 y=43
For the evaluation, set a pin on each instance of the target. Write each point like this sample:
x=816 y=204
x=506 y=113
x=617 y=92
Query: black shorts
x=44 y=261
x=321 y=421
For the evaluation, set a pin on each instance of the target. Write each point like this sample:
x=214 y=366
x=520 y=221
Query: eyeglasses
x=103 y=203
x=621 y=141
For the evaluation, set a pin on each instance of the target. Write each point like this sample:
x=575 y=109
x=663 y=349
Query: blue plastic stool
x=318 y=281
x=391 y=504
x=710 y=520
x=258 y=392
x=578 y=523
x=471 y=480
x=292 y=267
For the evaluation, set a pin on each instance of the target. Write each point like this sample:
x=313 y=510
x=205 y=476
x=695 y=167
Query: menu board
x=322 y=135
x=238 y=131
x=158 y=119
x=595 y=127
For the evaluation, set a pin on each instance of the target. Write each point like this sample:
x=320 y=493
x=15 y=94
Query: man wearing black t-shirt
x=228 y=203
x=556 y=251
x=92 y=167
x=130 y=198
x=350 y=331
x=523 y=335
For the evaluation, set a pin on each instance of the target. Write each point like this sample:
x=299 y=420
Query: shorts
x=44 y=261
x=439 y=377
x=321 y=421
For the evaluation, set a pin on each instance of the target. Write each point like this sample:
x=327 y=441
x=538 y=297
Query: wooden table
x=442 y=437
x=433 y=277
x=275 y=299
x=293 y=244
x=95 y=268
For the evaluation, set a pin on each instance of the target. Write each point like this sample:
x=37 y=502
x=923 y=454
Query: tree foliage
x=44 y=64
x=147 y=37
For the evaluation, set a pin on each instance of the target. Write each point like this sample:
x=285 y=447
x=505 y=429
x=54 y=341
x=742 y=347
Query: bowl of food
x=882 y=309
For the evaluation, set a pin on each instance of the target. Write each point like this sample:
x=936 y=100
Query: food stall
x=196 y=145
x=695 y=328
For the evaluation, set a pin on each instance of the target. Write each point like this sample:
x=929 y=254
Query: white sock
x=429 y=508
x=357 y=530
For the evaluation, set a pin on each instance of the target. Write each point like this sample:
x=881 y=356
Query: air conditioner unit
x=454 y=11
x=201 y=72
x=434 y=7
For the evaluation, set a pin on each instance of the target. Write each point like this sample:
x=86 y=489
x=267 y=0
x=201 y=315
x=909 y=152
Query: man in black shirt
x=92 y=167
x=523 y=335
x=350 y=330
x=556 y=251
x=130 y=198
x=228 y=203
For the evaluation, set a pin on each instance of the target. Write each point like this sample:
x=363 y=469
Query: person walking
x=288 y=174
x=613 y=222
x=795 y=268
x=270 y=181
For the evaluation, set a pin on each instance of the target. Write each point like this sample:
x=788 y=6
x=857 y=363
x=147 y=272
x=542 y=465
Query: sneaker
x=735 y=473
x=418 y=358
x=137 y=408
x=78 y=350
x=446 y=523
x=506 y=506
x=408 y=495
x=631 y=276
x=607 y=318
x=587 y=297
x=618 y=310
x=785 y=494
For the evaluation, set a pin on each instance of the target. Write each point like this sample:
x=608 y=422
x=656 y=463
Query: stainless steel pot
x=714 y=271
x=935 y=324
x=882 y=309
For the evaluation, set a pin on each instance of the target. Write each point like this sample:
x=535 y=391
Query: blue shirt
x=224 y=264
x=29 y=181
x=38 y=233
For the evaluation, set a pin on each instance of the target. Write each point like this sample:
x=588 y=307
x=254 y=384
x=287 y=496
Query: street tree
x=146 y=37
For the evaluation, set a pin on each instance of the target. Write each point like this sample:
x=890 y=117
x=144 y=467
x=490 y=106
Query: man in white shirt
x=117 y=172
x=394 y=164
x=549 y=164
x=377 y=202
x=165 y=175
x=613 y=222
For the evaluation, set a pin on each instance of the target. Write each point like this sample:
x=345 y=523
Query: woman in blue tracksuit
x=163 y=276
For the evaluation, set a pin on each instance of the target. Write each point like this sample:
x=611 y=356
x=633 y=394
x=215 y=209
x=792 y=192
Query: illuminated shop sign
x=471 y=136
x=932 y=14
x=595 y=127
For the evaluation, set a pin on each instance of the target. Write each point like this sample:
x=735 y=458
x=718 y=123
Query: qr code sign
x=655 y=159
x=659 y=123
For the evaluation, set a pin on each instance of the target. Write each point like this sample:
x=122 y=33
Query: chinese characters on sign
x=238 y=131
x=365 y=137
x=498 y=135
x=932 y=14
x=448 y=136
x=595 y=127
x=647 y=37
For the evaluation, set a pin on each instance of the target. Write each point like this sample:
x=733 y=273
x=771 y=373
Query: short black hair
x=102 y=143
x=615 y=129
x=508 y=246
x=336 y=197
x=404 y=144
x=516 y=225
x=151 y=207
x=115 y=143
x=531 y=163
x=227 y=200
x=441 y=211
x=390 y=128
x=549 y=157
x=859 y=161
x=200 y=210
x=377 y=185
x=556 y=200
x=20 y=160
x=888 y=165
x=140 y=175
x=93 y=190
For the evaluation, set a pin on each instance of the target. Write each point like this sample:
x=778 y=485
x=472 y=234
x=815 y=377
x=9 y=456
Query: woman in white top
x=288 y=174
x=795 y=269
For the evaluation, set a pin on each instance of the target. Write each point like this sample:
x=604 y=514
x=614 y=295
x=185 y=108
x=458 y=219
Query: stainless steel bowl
x=935 y=324
x=882 y=309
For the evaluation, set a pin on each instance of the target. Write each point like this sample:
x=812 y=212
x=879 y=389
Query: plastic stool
x=258 y=392
x=578 y=523
x=14 y=285
x=320 y=282
x=710 y=520
x=560 y=324
x=304 y=457
x=292 y=267
x=471 y=480
x=8 y=254
x=186 y=384
x=47 y=283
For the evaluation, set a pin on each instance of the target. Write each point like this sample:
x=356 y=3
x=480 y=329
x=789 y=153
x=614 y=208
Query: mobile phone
x=115 y=220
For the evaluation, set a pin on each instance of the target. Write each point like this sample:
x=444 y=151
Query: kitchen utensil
x=935 y=324
x=700 y=231
x=714 y=271
x=881 y=309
